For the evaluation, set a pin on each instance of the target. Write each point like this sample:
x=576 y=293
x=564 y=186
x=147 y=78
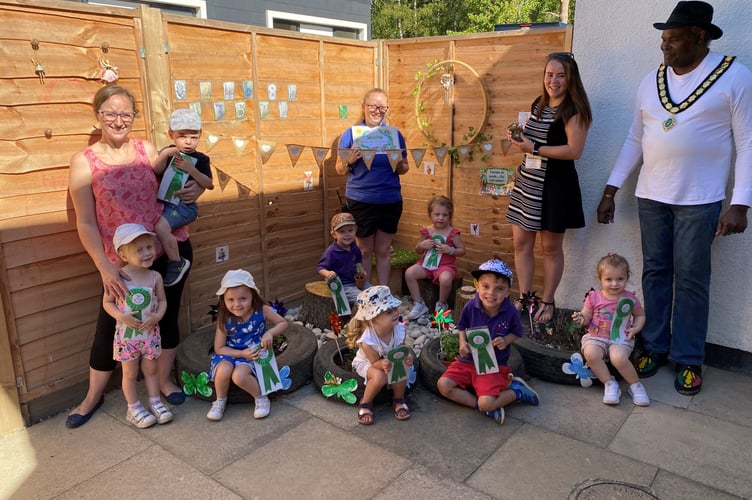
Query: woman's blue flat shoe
x=76 y=420
x=176 y=398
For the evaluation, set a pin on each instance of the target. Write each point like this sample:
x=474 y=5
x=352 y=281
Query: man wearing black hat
x=691 y=112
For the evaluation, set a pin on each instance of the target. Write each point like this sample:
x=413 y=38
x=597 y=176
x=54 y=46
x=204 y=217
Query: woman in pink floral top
x=112 y=182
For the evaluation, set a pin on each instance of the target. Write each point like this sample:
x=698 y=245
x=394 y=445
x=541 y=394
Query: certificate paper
x=376 y=138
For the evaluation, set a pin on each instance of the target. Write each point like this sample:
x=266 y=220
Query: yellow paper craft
x=294 y=150
x=418 y=155
x=320 y=155
x=394 y=156
x=368 y=157
x=267 y=148
x=440 y=154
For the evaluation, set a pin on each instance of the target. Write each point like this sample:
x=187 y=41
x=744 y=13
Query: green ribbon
x=268 y=374
x=623 y=312
x=397 y=357
x=335 y=287
x=433 y=256
x=479 y=340
x=138 y=300
x=176 y=183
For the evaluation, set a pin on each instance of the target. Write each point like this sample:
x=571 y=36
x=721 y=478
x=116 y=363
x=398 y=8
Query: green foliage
x=392 y=19
x=449 y=345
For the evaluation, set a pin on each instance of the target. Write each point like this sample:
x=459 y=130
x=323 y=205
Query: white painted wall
x=616 y=45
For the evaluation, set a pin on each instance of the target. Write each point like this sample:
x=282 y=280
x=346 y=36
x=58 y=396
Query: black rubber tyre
x=326 y=360
x=194 y=356
x=545 y=362
x=431 y=368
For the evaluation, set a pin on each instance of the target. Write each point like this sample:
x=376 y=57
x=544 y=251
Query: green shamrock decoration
x=334 y=386
x=193 y=384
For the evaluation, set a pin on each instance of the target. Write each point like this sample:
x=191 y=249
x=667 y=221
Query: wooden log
x=429 y=292
x=464 y=293
x=317 y=304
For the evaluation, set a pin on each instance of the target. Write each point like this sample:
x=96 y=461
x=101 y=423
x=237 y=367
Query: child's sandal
x=365 y=413
x=401 y=411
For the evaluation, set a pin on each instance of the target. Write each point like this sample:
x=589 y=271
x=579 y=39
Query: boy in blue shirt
x=489 y=308
x=343 y=257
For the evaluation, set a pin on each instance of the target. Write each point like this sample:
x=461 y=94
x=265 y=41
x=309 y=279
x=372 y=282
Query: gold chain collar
x=663 y=91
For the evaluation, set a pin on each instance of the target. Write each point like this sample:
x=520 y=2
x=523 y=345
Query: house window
x=316 y=25
x=191 y=8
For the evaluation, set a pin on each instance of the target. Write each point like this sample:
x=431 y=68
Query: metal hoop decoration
x=430 y=73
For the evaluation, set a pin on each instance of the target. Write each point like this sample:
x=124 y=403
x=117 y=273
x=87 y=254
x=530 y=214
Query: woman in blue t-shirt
x=373 y=189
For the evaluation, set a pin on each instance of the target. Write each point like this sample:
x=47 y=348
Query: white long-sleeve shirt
x=689 y=164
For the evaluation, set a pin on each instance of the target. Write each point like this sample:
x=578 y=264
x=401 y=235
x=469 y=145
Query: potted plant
x=449 y=347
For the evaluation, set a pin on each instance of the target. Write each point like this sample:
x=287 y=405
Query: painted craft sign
x=432 y=258
x=341 y=304
x=397 y=356
x=173 y=180
x=376 y=138
x=267 y=372
x=496 y=181
x=484 y=357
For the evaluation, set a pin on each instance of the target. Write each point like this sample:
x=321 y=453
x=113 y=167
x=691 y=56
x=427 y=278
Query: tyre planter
x=545 y=362
x=431 y=368
x=327 y=359
x=194 y=356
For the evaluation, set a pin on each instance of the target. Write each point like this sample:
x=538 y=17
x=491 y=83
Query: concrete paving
x=311 y=447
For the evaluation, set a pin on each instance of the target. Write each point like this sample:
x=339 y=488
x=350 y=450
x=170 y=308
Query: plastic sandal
x=365 y=413
x=544 y=309
x=401 y=412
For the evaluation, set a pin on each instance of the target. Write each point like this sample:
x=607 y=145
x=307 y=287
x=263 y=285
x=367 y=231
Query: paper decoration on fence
x=267 y=148
x=341 y=305
x=334 y=386
x=110 y=73
x=579 y=369
x=432 y=257
x=319 y=155
x=463 y=151
x=38 y=67
x=294 y=150
x=368 y=157
x=196 y=384
x=267 y=372
x=240 y=144
x=484 y=357
x=308 y=180
x=440 y=154
x=487 y=147
x=223 y=178
x=394 y=156
x=397 y=371
x=418 y=155
x=505 y=145
x=344 y=154
x=243 y=191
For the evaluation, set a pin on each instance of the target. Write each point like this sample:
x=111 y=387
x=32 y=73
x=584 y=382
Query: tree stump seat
x=317 y=304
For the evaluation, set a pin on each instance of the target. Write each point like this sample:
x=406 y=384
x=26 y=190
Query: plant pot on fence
x=327 y=360
x=431 y=368
x=194 y=356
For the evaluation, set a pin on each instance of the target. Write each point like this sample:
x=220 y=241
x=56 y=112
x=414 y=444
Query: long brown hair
x=575 y=101
x=223 y=314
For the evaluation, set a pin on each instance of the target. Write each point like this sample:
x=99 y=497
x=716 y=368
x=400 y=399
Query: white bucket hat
x=375 y=300
x=236 y=277
x=125 y=233
x=185 y=119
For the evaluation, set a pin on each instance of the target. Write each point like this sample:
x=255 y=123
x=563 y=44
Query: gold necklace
x=671 y=106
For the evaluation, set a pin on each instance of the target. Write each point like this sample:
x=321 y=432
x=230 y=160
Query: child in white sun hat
x=375 y=329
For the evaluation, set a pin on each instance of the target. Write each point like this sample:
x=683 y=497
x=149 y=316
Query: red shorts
x=433 y=274
x=490 y=384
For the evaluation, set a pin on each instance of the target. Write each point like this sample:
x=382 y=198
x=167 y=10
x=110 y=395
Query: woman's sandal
x=401 y=411
x=365 y=413
x=547 y=311
x=519 y=303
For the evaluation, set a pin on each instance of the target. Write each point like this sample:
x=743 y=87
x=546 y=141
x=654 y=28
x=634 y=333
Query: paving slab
x=725 y=395
x=709 y=450
x=538 y=464
x=419 y=482
x=668 y=486
x=660 y=387
x=314 y=460
x=47 y=458
x=153 y=473
x=448 y=439
x=334 y=411
x=575 y=411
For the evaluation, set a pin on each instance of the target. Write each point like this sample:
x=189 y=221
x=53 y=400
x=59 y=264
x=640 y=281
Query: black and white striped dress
x=526 y=203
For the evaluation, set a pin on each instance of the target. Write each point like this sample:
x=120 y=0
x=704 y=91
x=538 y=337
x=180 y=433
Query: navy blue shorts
x=372 y=217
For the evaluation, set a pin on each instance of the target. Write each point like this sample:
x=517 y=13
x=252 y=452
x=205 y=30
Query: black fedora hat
x=692 y=14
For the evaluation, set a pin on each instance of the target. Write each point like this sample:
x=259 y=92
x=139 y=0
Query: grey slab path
x=309 y=447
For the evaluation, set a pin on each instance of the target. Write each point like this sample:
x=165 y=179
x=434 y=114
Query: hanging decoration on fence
x=225 y=178
x=110 y=73
x=368 y=157
x=267 y=148
x=418 y=155
x=38 y=67
x=320 y=155
x=294 y=150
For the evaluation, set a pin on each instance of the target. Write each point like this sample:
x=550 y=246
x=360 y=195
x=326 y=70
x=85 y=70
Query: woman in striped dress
x=546 y=196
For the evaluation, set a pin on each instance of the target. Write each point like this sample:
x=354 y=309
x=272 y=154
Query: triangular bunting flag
x=394 y=156
x=243 y=191
x=505 y=145
x=463 y=151
x=320 y=155
x=440 y=154
x=368 y=157
x=418 y=155
x=487 y=147
x=267 y=148
x=344 y=153
x=294 y=150
x=211 y=141
x=240 y=144
x=224 y=179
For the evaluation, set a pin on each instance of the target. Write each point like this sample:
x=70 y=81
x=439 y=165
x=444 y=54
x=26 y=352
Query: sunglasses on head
x=565 y=55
